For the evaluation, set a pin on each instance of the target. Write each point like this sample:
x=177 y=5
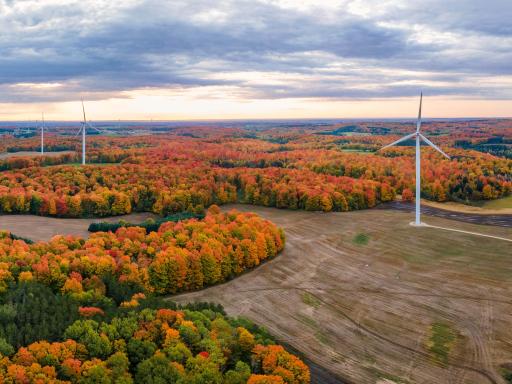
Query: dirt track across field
x=364 y=309
x=501 y=206
x=501 y=220
x=44 y=228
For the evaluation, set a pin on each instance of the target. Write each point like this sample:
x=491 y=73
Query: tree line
x=178 y=174
x=97 y=191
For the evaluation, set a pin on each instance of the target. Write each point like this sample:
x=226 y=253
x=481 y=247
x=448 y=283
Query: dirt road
x=475 y=218
x=364 y=310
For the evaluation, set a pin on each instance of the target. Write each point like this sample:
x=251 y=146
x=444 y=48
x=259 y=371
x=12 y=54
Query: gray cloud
x=102 y=49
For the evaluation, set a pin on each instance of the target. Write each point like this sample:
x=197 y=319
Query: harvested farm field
x=8 y=155
x=44 y=228
x=371 y=299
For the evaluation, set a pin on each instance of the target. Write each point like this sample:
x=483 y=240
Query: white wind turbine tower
x=418 y=136
x=42 y=133
x=83 y=130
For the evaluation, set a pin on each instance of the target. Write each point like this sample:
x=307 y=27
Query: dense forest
x=295 y=169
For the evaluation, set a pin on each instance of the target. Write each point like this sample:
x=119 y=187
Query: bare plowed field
x=372 y=299
x=44 y=228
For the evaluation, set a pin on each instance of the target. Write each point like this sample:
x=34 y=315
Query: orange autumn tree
x=290 y=168
x=274 y=360
x=180 y=256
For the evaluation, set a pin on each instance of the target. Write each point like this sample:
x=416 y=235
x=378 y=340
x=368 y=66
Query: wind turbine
x=42 y=134
x=83 y=130
x=417 y=135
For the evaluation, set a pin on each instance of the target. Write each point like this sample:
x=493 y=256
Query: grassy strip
x=388 y=378
x=150 y=225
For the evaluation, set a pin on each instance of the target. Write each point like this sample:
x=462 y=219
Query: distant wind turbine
x=42 y=133
x=418 y=136
x=83 y=131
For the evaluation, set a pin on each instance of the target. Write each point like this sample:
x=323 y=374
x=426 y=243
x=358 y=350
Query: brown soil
x=364 y=311
x=44 y=228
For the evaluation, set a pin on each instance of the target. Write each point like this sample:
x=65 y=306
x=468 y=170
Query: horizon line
x=266 y=119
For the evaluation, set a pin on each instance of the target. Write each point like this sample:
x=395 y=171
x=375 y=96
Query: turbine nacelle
x=413 y=135
x=417 y=134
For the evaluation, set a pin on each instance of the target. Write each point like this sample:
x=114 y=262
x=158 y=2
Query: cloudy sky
x=207 y=59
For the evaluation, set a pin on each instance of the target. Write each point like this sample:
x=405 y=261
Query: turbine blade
x=399 y=141
x=434 y=146
x=418 y=124
x=96 y=129
x=83 y=110
x=79 y=131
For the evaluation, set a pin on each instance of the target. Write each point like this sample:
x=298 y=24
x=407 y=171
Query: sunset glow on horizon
x=150 y=107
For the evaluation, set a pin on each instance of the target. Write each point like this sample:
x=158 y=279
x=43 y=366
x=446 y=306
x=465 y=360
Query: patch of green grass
x=322 y=337
x=309 y=299
x=386 y=376
x=151 y=225
x=505 y=202
x=354 y=134
x=360 y=151
x=370 y=358
x=319 y=332
x=506 y=372
x=361 y=239
x=442 y=337
x=311 y=323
